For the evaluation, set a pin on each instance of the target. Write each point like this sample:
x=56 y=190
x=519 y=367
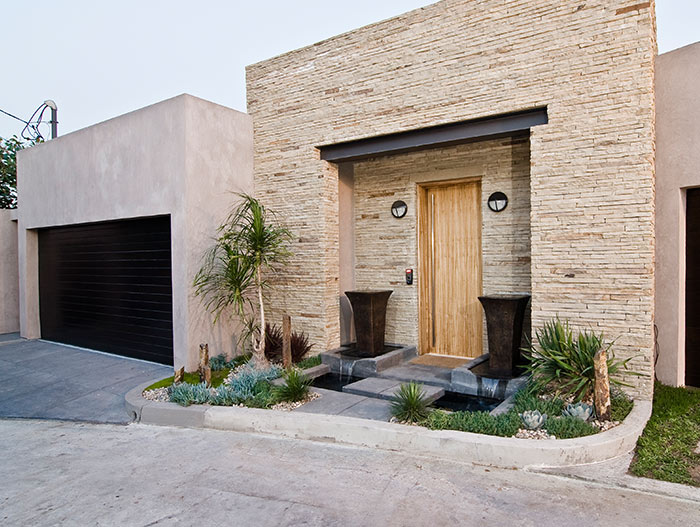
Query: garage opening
x=108 y=286
x=692 y=289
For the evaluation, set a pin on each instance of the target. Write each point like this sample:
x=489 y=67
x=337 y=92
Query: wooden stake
x=601 y=394
x=287 y=341
x=179 y=375
x=204 y=368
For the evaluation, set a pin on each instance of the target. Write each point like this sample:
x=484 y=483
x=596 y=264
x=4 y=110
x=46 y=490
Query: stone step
x=379 y=388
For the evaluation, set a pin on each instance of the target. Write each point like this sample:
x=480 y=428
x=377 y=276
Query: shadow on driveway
x=45 y=380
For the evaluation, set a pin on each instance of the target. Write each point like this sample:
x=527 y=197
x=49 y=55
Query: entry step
x=386 y=388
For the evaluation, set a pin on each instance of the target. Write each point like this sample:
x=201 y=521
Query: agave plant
x=533 y=419
x=410 y=403
x=580 y=410
x=567 y=361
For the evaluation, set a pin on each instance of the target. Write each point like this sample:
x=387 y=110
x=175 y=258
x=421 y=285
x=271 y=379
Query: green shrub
x=504 y=425
x=309 y=362
x=186 y=394
x=299 y=343
x=568 y=427
x=263 y=396
x=219 y=362
x=567 y=362
x=295 y=387
x=409 y=403
x=620 y=405
x=246 y=379
x=528 y=399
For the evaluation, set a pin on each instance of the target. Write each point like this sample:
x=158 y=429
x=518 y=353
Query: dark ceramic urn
x=504 y=327
x=369 y=314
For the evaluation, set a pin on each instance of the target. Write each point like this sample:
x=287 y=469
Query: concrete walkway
x=62 y=473
x=45 y=380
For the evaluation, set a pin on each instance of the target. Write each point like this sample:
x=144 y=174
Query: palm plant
x=250 y=245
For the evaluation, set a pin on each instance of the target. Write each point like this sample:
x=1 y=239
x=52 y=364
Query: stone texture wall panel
x=591 y=167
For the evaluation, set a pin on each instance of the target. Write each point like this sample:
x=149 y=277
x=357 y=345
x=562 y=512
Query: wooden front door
x=449 y=240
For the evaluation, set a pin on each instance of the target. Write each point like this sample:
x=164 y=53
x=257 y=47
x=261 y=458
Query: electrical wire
x=13 y=116
x=31 y=131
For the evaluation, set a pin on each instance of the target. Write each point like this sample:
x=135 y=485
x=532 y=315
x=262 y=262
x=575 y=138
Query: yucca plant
x=566 y=363
x=249 y=246
x=410 y=403
x=295 y=388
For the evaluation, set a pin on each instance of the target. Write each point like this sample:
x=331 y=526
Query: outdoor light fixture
x=399 y=209
x=498 y=201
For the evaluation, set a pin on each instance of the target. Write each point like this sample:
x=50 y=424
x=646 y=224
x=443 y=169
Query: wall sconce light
x=498 y=201
x=399 y=209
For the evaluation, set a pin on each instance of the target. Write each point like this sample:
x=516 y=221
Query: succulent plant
x=582 y=411
x=533 y=419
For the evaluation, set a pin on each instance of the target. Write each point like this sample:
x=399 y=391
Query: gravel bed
x=159 y=394
x=289 y=406
x=533 y=434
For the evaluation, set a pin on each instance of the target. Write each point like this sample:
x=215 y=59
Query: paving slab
x=432 y=375
x=371 y=386
x=47 y=380
x=386 y=389
x=330 y=402
x=375 y=409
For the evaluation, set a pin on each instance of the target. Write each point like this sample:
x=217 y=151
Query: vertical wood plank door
x=450 y=262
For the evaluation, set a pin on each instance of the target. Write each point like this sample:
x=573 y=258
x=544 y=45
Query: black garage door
x=692 y=288
x=107 y=286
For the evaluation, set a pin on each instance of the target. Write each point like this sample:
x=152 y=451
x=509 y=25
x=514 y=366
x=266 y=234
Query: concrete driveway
x=45 y=380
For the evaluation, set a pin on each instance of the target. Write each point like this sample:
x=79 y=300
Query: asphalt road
x=68 y=473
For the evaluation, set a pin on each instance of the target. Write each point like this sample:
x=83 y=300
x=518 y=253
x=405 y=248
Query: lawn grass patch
x=665 y=448
x=217 y=378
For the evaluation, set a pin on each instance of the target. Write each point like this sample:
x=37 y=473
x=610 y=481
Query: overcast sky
x=100 y=59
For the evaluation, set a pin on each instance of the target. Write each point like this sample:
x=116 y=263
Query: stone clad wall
x=385 y=246
x=592 y=167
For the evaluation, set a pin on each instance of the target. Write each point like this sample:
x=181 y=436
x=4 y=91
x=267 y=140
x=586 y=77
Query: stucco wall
x=385 y=247
x=9 y=277
x=677 y=168
x=182 y=157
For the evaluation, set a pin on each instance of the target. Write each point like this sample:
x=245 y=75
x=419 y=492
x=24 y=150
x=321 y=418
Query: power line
x=13 y=116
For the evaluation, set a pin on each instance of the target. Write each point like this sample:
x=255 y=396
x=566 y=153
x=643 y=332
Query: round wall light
x=498 y=201
x=399 y=209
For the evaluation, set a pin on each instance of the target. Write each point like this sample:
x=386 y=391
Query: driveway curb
x=445 y=444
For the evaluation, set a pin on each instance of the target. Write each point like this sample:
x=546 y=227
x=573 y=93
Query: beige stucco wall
x=385 y=247
x=592 y=167
x=9 y=277
x=677 y=168
x=182 y=157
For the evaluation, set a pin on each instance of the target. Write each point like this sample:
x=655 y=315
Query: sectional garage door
x=108 y=286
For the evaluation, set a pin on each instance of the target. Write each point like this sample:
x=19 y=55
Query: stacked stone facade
x=385 y=247
x=591 y=167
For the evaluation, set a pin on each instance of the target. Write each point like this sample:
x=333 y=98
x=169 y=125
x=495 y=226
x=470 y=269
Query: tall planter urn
x=369 y=314
x=504 y=327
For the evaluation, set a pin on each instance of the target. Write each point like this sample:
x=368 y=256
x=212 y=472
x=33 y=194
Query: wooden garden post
x=204 y=368
x=287 y=341
x=601 y=394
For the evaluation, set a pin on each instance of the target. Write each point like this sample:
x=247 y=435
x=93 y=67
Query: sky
x=100 y=59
